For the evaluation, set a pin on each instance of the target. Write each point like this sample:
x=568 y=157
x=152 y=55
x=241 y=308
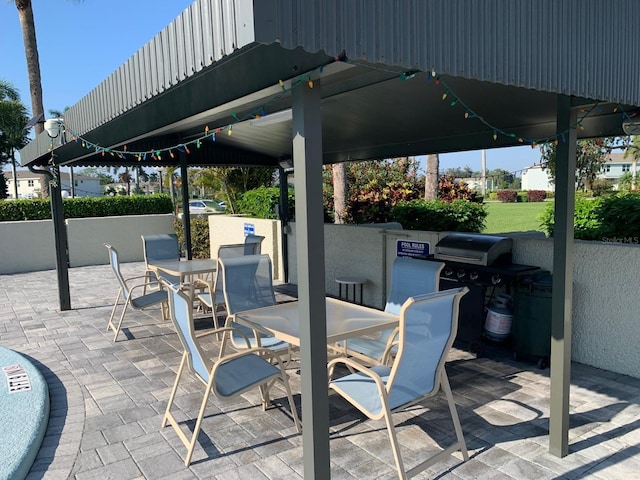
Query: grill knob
x=448 y=272
x=496 y=279
x=461 y=273
x=473 y=276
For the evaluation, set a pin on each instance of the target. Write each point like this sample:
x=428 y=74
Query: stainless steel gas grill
x=474 y=249
x=484 y=264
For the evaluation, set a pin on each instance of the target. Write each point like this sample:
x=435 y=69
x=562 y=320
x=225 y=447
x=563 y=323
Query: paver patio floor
x=107 y=402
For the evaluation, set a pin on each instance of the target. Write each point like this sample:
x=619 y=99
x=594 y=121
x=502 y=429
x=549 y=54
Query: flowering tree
x=591 y=155
x=374 y=188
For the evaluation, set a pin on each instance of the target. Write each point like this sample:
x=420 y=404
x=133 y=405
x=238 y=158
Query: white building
x=29 y=185
x=536 y=178
x=616 y=167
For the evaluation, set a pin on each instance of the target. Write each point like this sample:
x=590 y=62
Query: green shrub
x=522 y=197
x=492 y=195
x=263 y=202
x=619 y=217
x=436 y=215
x=601 y=186
x=613 y=218
x=40 y=209
x=200 y=243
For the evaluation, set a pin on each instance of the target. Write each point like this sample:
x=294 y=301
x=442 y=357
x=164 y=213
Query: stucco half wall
x=29 y=246
x=606 y=310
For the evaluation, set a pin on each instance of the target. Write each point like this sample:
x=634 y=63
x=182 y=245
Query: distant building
x=616 y=167
x=29 y=185
x=537 y=178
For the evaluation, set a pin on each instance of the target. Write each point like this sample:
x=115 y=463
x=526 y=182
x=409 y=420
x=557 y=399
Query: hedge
x=436 y=215
x=40 y=209
x=200 y=244
x=507 y=196
x=536 y=195
x=263 y=202
x=615 y=218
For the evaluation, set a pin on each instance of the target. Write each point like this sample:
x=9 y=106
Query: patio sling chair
x=428 y=326
x=247 y=284
x=230 y=376
x=160 y=248
x=129 y=291
x=211 y=295
x=254 y=239
x=409 y=277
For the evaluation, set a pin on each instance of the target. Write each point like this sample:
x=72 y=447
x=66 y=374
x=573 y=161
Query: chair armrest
x=352 y=364
x=139 y=285
x=198 y=282
x=227 y=331
x=135 y=278
x=261 y=352
x=392 y=341
x=355 y=365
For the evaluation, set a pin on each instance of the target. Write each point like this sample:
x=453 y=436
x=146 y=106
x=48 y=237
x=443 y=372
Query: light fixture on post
x=273 y=118
x=286 y=164
x=52 y=127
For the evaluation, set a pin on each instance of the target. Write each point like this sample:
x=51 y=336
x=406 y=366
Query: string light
x=237 y=118
x=469 y=113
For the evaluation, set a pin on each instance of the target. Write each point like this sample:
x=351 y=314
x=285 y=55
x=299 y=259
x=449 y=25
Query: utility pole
x=484 y=173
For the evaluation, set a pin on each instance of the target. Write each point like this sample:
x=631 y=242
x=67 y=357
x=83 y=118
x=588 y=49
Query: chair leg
x=110 y=325
x=174 y=390
x=444 y=382
x=294 y=411
x=395 y=446
x=124 y=310
x=196 y=429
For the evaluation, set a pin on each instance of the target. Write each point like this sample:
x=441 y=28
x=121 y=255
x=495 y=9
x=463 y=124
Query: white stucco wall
x=606 y=305
x=229 y=229
x=26 y=246
x=29 y=246
x=87 y=235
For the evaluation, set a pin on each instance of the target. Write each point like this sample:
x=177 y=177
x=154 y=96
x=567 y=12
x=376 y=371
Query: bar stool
x=350 y=282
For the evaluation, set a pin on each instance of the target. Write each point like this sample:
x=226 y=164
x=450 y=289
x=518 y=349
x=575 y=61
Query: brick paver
x=107 y=402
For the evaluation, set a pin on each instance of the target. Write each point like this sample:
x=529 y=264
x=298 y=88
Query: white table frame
x=344 y=320
x=186 y=270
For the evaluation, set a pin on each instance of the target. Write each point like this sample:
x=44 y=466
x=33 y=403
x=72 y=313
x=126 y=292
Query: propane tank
x=499 y=319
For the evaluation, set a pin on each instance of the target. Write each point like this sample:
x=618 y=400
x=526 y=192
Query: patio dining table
x=185 y=270
x=344 y=320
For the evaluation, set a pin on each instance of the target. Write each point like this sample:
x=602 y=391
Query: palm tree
x=633 y=150
x=125 y=177
x=340 y=190
x=25 y=12
x=13 y=119
x=431 y=183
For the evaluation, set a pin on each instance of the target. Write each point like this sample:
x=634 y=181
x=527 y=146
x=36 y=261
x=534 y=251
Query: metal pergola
x=360 y=80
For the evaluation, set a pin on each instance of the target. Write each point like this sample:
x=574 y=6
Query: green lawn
x=513 y=217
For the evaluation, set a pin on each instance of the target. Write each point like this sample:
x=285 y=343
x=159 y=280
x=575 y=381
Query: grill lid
x=474 y=249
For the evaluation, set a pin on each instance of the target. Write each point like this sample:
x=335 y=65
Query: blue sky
x=82 y=42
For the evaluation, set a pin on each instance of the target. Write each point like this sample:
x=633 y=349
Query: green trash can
x=532 y=318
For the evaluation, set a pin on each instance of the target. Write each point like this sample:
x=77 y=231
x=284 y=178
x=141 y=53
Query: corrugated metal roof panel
x=562 y=46
x=203 y=33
